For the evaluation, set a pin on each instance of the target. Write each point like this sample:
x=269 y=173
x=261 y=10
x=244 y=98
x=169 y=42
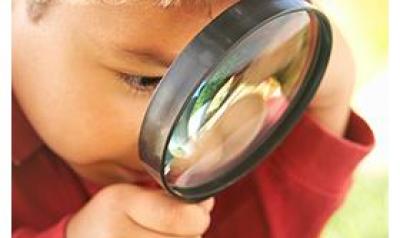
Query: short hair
x=36 y=8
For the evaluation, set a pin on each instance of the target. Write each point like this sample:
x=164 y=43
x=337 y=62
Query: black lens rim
x=154 y=135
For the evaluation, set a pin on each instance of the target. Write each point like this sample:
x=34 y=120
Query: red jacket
x=291 y=194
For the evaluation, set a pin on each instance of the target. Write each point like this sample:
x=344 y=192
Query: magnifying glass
x=233 y=94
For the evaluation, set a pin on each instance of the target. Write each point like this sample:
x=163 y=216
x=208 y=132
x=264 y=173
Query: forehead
x=141 y=24
x=126 y=13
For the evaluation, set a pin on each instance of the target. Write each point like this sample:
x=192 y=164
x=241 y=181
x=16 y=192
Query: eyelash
x=140 y=83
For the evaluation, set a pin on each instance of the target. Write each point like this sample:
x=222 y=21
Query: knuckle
x=107 y=231
x=112 y=196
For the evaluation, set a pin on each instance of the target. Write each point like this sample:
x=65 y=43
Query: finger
x=139 y=231
x=143 y=232
x=157 y=211
x=208 y=204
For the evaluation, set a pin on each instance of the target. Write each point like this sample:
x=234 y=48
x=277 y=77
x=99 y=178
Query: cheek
x=77 y=108
x=95 y=122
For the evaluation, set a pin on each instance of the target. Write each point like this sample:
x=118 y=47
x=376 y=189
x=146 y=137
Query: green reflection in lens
x=240 y=101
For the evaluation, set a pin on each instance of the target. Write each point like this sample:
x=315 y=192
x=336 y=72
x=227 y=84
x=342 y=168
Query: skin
x=66 y=68
x=95 y=117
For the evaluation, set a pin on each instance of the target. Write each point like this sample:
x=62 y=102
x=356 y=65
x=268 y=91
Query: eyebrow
x=152 y=57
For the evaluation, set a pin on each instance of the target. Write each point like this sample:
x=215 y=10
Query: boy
x=83 y=72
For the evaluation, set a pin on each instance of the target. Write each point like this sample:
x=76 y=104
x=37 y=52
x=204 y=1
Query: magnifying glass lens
x=237 y=106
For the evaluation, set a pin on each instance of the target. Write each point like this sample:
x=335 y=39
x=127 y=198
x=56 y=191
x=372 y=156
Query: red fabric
x=291 y=194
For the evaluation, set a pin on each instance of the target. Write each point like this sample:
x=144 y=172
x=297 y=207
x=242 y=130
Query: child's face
x=67 y=71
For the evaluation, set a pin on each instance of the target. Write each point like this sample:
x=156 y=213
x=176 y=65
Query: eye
x=140 y=83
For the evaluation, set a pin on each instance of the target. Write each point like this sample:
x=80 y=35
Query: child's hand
x=124 y=210
x=331 y=105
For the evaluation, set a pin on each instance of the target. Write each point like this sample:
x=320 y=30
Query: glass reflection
x=238 y=105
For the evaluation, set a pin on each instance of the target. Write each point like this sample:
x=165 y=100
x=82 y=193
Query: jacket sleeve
x=55 y=231
x=307 y=177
